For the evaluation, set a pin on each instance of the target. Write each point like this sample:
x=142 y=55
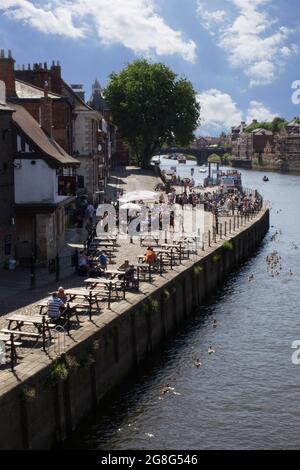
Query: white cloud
x=210 y=20
x=251 y=42
x=259 y=111
x=49 y=20
x=133 y=23
x=219 y=112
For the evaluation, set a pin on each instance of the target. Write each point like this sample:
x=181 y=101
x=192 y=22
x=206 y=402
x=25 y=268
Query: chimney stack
x=56 y=82
x=7 y=73
x=46 y=119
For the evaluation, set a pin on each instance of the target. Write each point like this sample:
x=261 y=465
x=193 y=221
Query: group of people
x=86 y=266
x=57 y=305
x=234 y=201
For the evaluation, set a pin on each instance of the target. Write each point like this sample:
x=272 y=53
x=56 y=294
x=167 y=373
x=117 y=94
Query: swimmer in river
x=211 y=350
x=168 y=389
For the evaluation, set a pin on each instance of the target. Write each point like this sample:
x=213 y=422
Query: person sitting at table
x=124 y=266
x=150 y=256
x=83 y=264
x=103 y=260
x=61 y=295
x=128 y=276
x=56 y=307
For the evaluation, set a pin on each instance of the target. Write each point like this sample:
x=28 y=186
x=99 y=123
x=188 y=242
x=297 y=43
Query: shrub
x=198 y=270
x=216 y=259
x=28 y=393
x=228 y=246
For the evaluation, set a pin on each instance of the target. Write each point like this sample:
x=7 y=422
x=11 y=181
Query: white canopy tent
x=142 y=195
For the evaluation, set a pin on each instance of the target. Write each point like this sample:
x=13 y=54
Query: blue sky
x=242 y=56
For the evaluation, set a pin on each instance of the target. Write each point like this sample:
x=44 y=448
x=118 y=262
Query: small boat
x=181 y=159
x=265 y=178
x=203 y=169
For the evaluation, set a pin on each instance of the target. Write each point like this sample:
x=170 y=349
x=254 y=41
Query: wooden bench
x=6 y=339
x=21 y=333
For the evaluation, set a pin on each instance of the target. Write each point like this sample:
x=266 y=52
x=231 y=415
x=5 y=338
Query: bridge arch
x=201 y=154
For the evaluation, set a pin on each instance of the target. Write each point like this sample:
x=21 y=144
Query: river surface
x=247 y=394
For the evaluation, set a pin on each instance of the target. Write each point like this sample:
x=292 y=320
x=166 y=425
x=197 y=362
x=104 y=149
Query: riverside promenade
x=17 y=298
x=123 y=333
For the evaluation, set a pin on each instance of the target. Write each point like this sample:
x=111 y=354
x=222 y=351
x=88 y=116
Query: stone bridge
x=201 y=154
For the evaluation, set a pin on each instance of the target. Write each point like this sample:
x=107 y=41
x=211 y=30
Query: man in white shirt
x=55 y=307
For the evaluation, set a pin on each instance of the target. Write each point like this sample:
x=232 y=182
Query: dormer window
x=22 y=145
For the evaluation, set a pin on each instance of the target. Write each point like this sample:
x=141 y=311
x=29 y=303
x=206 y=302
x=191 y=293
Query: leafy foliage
x=228 y=246
x=274 y=126
x=28 y=393
x=151 y=106
x=226 y=158
x=214 y=158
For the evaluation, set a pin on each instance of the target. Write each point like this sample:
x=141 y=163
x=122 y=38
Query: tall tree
x=152 y=106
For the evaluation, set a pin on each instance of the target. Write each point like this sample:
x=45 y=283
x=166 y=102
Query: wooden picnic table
x=44 y=304
x=94 y=257
x=69 y=311
x=144 y=270
x=106 y=245
x=109 y=241
x=113 y=273
x=106 y=238
x=109 y=284
x=169 y=254
x=157 y=265
x=178 y=247
x=10 y=347
x=90 y=296
x=42 y=326
x=149 y=240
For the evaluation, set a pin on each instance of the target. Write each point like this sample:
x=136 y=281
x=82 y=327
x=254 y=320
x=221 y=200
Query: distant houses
x=264 y=148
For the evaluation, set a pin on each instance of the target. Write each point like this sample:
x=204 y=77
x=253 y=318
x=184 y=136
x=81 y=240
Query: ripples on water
x=246 y=395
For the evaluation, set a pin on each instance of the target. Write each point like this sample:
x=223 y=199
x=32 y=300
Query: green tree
x=274 y=126
x=278 y=123
x=214 y=158
x=226 y=158
x=152 y=106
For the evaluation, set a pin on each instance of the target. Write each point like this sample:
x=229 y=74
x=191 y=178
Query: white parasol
x=131 y=206
x=142 y=195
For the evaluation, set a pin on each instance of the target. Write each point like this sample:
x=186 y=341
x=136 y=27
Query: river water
x=247 y=394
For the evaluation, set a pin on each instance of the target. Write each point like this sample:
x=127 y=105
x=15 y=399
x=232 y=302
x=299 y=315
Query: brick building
x=88 y=124
x=251 y=145
x=42 y=187
x=263 y=148
x=117 y=153
x=26 y=88
x=7 y=215
x=79 y=129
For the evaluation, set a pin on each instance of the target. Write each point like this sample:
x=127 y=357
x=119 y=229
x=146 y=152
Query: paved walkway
x=24 y=301
x=130 y=178
x=35 y=359
x=15 y=290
